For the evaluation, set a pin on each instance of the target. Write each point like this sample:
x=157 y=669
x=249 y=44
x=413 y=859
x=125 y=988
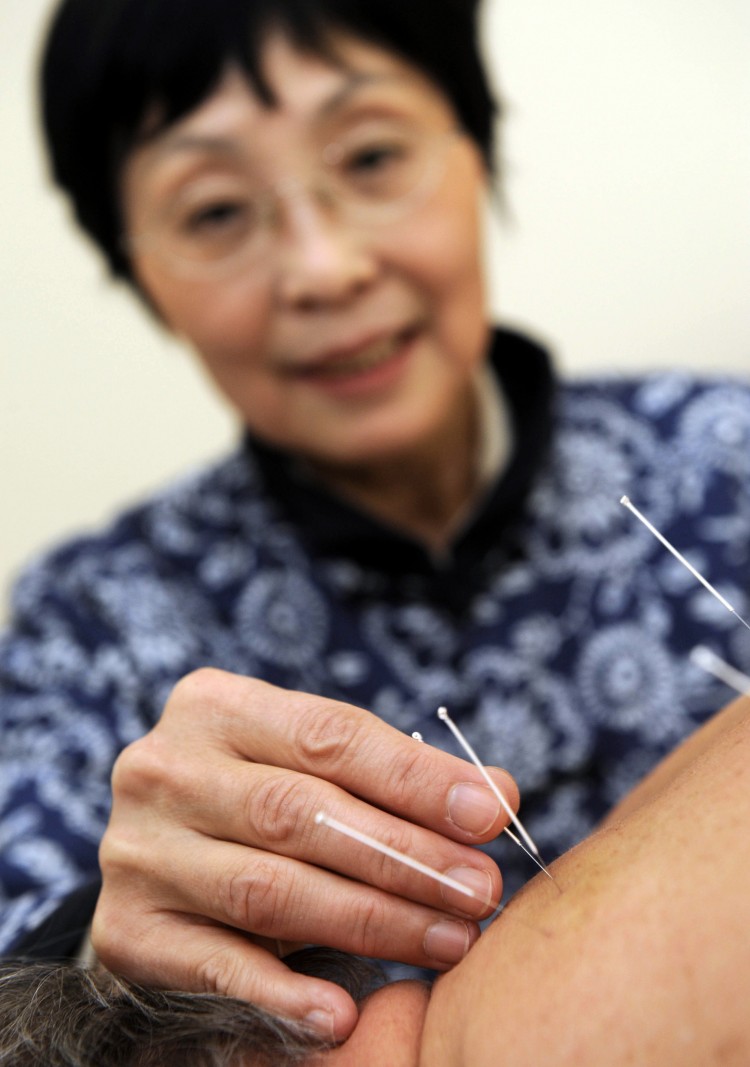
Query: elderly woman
x=413 y=518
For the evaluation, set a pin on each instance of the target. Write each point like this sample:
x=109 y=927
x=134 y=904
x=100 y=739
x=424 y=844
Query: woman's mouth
x=370 y=356
x=361 y=370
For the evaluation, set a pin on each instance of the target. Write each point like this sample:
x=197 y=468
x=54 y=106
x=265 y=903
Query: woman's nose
x=322 y=260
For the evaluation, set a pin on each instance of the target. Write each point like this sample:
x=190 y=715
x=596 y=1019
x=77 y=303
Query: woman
x=413 y=518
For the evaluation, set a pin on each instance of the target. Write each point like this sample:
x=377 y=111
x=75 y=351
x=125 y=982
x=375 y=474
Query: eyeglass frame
x=291 y=188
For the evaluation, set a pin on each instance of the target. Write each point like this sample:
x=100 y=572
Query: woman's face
x=347 y=342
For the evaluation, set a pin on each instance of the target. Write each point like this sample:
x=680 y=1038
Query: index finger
x=359 y=752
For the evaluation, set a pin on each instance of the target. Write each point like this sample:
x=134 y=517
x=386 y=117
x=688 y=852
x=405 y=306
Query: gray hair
x=65 y=1015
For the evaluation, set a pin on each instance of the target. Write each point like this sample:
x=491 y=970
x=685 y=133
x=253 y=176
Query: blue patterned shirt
x=558 y=631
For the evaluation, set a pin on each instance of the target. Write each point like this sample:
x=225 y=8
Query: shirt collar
x=333 y=528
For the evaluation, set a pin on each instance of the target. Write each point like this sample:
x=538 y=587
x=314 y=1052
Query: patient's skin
x=643 y=958
x=389 y=1030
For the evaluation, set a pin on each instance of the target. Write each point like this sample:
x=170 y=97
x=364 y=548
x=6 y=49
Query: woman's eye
x=374 y=157
x=217 y=217
x=383 y=165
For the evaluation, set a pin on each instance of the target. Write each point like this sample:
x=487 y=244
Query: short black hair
x=106 y=62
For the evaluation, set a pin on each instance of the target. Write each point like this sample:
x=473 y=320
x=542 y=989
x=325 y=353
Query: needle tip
x=321 y=818
x=551 y=877
x=554 y=881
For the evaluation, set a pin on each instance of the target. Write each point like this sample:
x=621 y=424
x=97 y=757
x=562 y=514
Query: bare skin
x=397 y=438
x=643 y=958
x=213 y=855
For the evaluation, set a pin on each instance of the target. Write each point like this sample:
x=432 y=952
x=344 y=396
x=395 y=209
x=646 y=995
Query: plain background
x=626 y=245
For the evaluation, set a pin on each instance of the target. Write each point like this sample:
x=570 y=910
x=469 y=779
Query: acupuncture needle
x=418 y=737
x=323 y=819
x=713 y=664
x=625 y=501
x=532 y=851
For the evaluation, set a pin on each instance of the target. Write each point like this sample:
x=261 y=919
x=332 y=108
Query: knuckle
x=254 y=899
x=328 y=733
x=371 y=921
x=406 y=777
x=221 y=972
x=142 y=768
x=197 y=687
x=115 y=853
x=387 y=872
x=278 y=810
x=110 y=949
x=103 y=930
x=202 y=693
x=206 y=704
x=134 y=860
x=128 y=764
x=112 y=933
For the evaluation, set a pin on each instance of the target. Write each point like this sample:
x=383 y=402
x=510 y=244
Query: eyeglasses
x=376 y=175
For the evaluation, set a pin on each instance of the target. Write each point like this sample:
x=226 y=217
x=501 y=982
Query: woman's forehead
x=307 y=87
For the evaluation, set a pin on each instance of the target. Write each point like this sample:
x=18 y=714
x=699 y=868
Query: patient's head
x=61 y=1015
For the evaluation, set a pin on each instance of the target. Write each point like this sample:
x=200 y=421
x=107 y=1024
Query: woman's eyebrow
x=356 y=81
x=197 y=142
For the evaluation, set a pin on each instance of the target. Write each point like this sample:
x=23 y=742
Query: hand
x=213 y=856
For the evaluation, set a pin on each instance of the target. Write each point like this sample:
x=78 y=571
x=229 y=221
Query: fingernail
x=321 y=1022
x=473 y=807
x=480 y=884
x=446 y=941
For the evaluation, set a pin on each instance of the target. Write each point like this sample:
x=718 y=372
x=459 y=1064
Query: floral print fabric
x=568 y=665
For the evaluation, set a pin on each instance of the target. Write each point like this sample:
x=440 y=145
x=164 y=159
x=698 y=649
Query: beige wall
x=629 y=247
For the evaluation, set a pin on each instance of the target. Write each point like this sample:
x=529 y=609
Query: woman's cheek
x=223 y=325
